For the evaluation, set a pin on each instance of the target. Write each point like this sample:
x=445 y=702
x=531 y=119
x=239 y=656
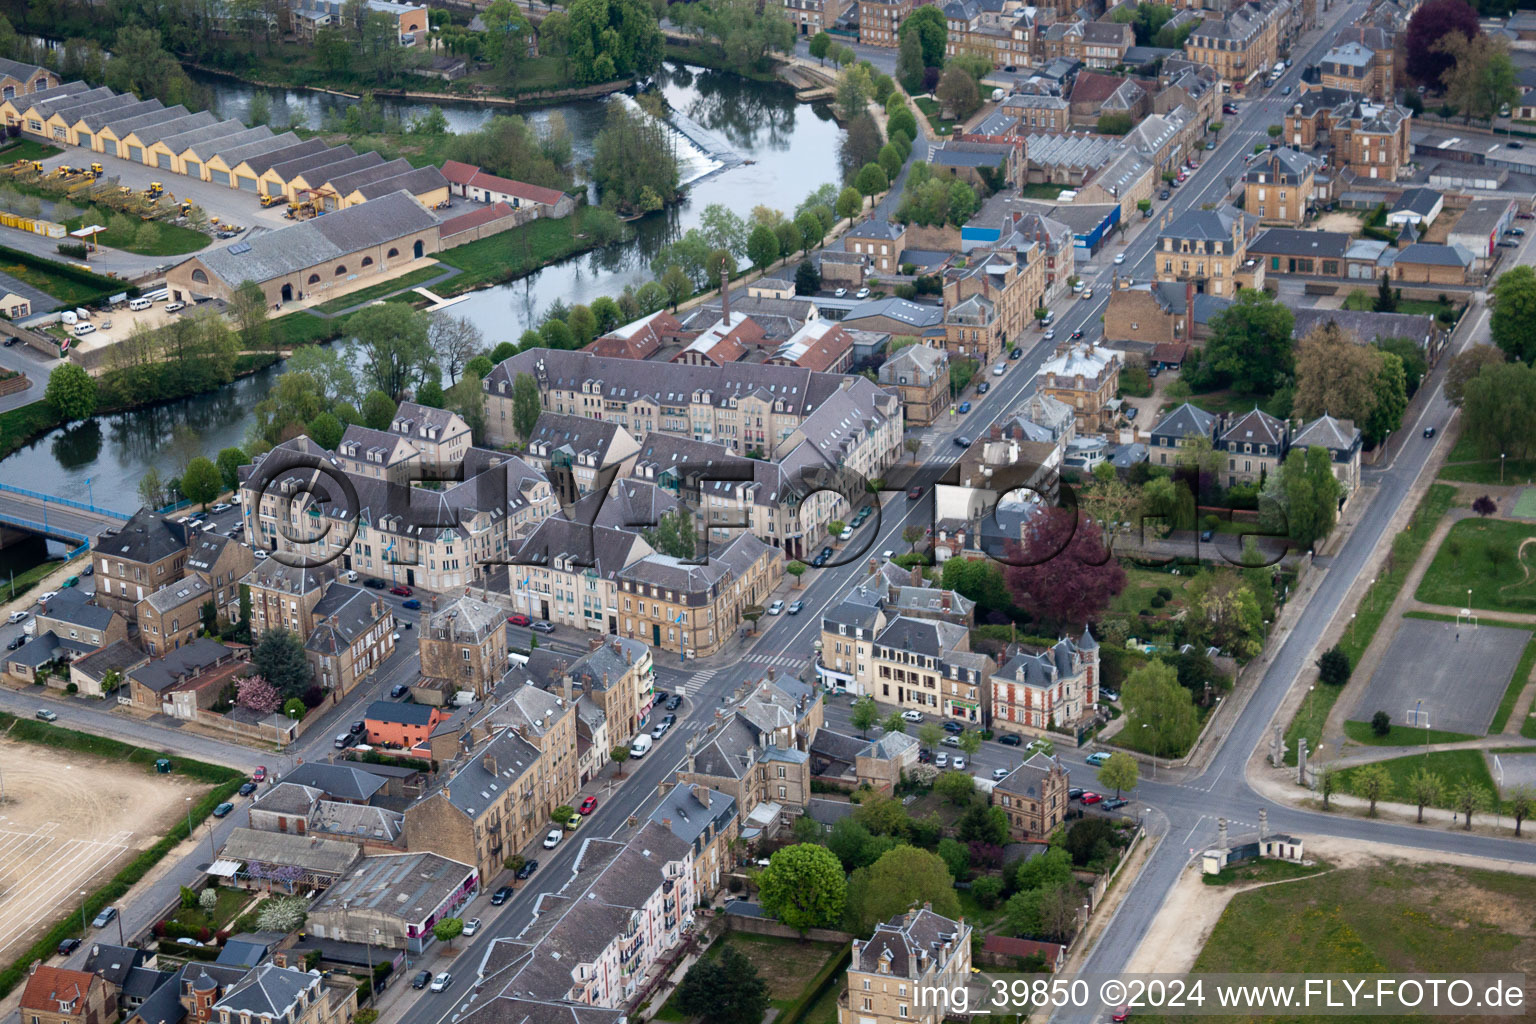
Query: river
x=741 y=143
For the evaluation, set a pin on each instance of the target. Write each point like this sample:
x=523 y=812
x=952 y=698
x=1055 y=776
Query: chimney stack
x=565 y=682
x=725 y=295
x=1189 y=310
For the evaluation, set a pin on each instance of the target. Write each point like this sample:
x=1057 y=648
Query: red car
x=1121 y=1014
x=402 y=590
x=519 y=619
x=260 y=774
x=1091 y=798
x=587 y=806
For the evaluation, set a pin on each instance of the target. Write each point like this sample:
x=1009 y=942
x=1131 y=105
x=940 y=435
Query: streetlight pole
x=82 y=913
x=1501 y=468
x=1148 y=725
x=189 y=818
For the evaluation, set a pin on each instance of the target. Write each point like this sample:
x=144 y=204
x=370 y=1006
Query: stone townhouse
x=464 y=644
x=1034 y=796
x=1178 y=429
x=1124 y=182
x=1428 y=263
x=927 y=665
x=706 y=820
x=989 y=296
x=354 y=633
x=485 y=807
x=1084 y=378
x=1240 y=44
x=1254 y=444
x=879 y=21
x=920 y=375
x=1038 y=112
x=914 y=950
x=379 y=454
x=172 y=616
x=568 y=573
x=284 y=596
x=695 y=609
x=1183 y=84
x=1343 y=441
x=1005 y=223
x=1278 y=187
x=1003 y=36
x=986 y=166
x=594 y=944
x=1095 y=94
x=881 y=240
x=849 y=628
x=54 y=995
x=221 y=562
x=1363 y=60
x=268 y=992
x=808 y=16
x=617 y=677
x=548 y=721
x=1206 y=247
x=1097 y=44
x=579 y=454
x=746 y=406
x=1366 y=138
x=70 y=616
x=441 y=540
x=1159 y=313
x=1035 y=691
x=136 y=559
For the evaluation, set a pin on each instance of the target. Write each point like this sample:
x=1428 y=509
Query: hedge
x=227 y=780
x=830 y=974
x=108 y=286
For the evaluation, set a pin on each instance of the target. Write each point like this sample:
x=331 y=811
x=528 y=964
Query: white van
x=140 y=303
x=81 y=330
x=82 y=313
x=639 y=745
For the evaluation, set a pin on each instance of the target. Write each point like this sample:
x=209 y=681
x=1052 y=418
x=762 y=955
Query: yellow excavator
x=96 y=170
x=155 y=190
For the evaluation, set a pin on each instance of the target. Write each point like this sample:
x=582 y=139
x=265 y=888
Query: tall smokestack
x=725 y=294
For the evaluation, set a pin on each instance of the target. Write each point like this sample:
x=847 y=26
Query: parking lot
x=227 y=204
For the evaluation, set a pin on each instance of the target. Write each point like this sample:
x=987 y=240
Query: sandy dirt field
x=1192 y=909
x=67 y=822
x=1346 y=222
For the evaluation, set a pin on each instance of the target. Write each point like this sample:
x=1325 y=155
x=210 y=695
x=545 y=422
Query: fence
x=43 y=528
x=49 y=498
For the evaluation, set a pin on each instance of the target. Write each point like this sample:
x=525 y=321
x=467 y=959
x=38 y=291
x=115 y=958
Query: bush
x=1165 y=593
x=1158 y=600
x=1381 y=723
x=72 y=689
x=988 y=890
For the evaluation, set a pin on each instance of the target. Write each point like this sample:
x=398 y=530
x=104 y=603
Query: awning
x=224 y=868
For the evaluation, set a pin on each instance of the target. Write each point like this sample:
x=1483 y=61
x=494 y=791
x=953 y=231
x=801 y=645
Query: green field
x=1359 y=299
x=1453 y=767
x=1401 y=735
x=380 y=290
x=28 y=149
x=514 y=253
x=301 y=328
x=69 y=292
x=1254 y=871
x=1479 y=554
x=1382 y=918
x=1466 y=464
x=930 y=109
x=169 y=240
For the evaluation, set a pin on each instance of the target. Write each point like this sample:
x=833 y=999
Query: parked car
x=1164 y=194
x=1017 y=353
x=958 y=762
x=519 y=620
x=839 y=293
x=16 y=617
x=73 y=581
x=543 y=627
x=106 y=917
x=501 y=895
x=999 y=369
x=222 y=506
x=441 y=982
x=954 y=727
x=1074 y=793
x=344 y=741
x=47 y=716
x=184 y=941
x=223 y=809
x=360 y=726
x=1109 y=694
x=862 y=293
x=1009 y=739
x=658 y=730
x=1097 y=758
x=776 y=607
x=951 y=741
x=16 y=641
x=964 y=407
x=941 y=760
x=247 y=788
x=914 y=493
x=552 y=838
x=471 y=926
x=1119 y=257
x=260 y=774
x=66 y=946
x=399 y=690
x=374 y=584
x=587 y=806
x=1206 y=536
x=1526 y=216
x=46 y=596
x=1115 y=805
x=175 y=307
x=1131 y=411
x=411 y=603
x=525 y=872
x=962 y=442
x=912 y=716
x=1508 y=243
x=1090 y=798
x=422 y=979
x=674 y=702
x=983 y=387
x=400 y=590
x=795 y=607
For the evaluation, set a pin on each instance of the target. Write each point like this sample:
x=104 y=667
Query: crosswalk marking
x=779 y=661
x=693 y=685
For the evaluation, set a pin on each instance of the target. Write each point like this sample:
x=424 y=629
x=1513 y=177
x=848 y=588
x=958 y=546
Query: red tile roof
x=470 y=176
x=475 y=218
x=57 y=990
x=1054 y=953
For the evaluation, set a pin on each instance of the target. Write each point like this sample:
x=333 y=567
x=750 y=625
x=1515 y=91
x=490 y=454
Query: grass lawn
x=28 y=149
x=301 y=328
x=975 y=913
x=1517 y=683
x=25 y=581
x=1453 y=766
x=1141 y=585
x=514 y=253
x=1263 y=871
x=1401 y=735
x=378 y=291
x=930 y=109
x=22 y=424
x=1225 y=400
x=787 y=965
x=1359 y=299
x=824 y=1010
x=67 y=291
x=230 y=902
x=1466 y=464
x=1389 y=918
x=121 y=233
x=1043 y=190
x=1479 y=554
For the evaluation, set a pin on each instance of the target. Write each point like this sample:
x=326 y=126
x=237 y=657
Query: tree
x=525 y=405
x=152 y=490
x=1386 y=298
x=1371 y=782
x=378 y=410
x=1327 y=780
x=930 y=735
x=796 y=569
x=955 y=857
x=430 y=391
x=1119 y=772
x=860 y=145
x=1333 y=666
x=804 y=887
x=724 y=989
x=202 y=482
x=890 y=160
x=970 y=742
x=71 y=391
x=448 y=929
x=931 y=30
x=248 y=308
x=903 y=877
x=229 y=462
x=1466 y=365
x=634 y=165
x=676 y=285
x=820 y=44
x=1154 y=701
x=1250 y=345
x=1390 y=391
x=894 y=723
x=1115 y=122
x=1061 y=570
x=864 y=714
x=1307 y=493
x=807 y=280
x=325 y=430
x=1469 y=798
x=1424 y=787
x=1484 y=506
x=1481 y=80
x=1334 y=375
x=278 y=656
x=958 y=93
x=1512 y=326
x=257 y=694
x=612 y=39
x=618 y=755
x=763 y=247
x=956 y=787
x=1381 y=723
x=1433 y=21
x=1499 y=411
x=294 y=708
x=392 y=340
x=983 y=824
x=208 y=900
x=849 y=202
x=909 y=62
x=1108 y=501
x=1521 y=799
x=282 y=915
x=455 y=340
x=871 y=181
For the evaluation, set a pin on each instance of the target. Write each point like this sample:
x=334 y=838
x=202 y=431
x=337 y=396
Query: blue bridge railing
x=44 y=528
x=55 y=500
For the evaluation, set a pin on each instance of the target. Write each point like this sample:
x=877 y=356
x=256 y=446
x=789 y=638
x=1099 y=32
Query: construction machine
x=155 y=190
x=268 y=201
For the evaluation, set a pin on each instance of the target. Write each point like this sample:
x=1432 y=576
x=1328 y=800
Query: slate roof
x=324 y=856
x=1028 y=779
x=1430 y=254
x=474 y=788
x=341 y=781
x=898 y=941
x=1294 y=242
x=1200 y=225
x=337 y=234
x=77 y=611
x=1327 y=432
x=145 y=538
x=402 y=714
x=342 y=615
x=270 y=991
x=1417 y=200
x=1187 y=421
x=934 y=638
x=1256 y=427
x=187 y=590
x=879 y=229
x=122 y=655
x=415 y=181
x=731 y=561
x=686 y=817
x=163 y=672
x=407 y=886
x=1282 y=166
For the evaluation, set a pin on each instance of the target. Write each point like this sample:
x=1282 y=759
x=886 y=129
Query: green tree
x=676 y=284
x=1386 y=298
x=955 y=857
x=1156 y=703
x=807 y=279
x=821 y=43
x=812 y=230
x=970 y=742
x=612 y=39
x=1390 y=387
x=1469 y=798
x=1371 y=782
x=1381 y=723
x=618 y=755
x=958 y=93
x=1120 y=772
x=634 y=164
x=1115 y=122
x=526 y=405
x=724 y=989
x=871 y=181
x=326 y=430
x=229 y=462
x=583 y=324
x=202 y=482
x=71 y=391
x=391 y=339
x=763 y=247
x=673 y=533
x=909 y=63
x=1499 y=410
x=849 y=202
x=932 y=30
x=278 y=657
x=1482 y=78
x=804 y=887
x=864 y=714
x=890 y=160
x=1521 y=799
x=607 y=313
x=378 y=410
x=1465 y=366
x=956 y=787
x=248 y=309
x=1424 y=787
x=848 y=841
x=903 y=877
x=1513 y=322
x=930 y=735
x=448 y=929
x=894 y=723
x=983 y=824
x=1333 y=666
x=1250 y=345
x=796 y=569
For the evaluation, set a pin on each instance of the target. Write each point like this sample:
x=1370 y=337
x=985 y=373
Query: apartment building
x=920 y=375
x=850 y=627
x=1241 y=44
x=695 y=609
x=464 y=644
x=1002 y=35
x=927 y=665
x=618 y=677
x=1097 y=44
x=808 y=16
x=548 y=721
x=172 y=616
x=706 y=820
x=353 y=634
x=1342 y=439
x=1035 y=691
x=283 y=596
x=1277 y=187
x=1085 y=378
x=1207 y=247
x=1254 y=444
x=568 y=573
x=574 y=451
x=879 y=239
x=879 y=21
x=1038 y=112
x=221 y=562
x=1366 y=138
x=914 y=950
x=54 y=995
x=136 y=559
x=1178 y=429
x=989 y=297
x=1034 y=797
x=1362 y=60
